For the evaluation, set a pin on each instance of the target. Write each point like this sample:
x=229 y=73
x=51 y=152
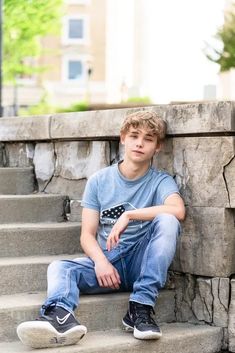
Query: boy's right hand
x=107 y=275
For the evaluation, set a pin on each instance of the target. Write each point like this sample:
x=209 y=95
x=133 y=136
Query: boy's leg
x=57 y=325
x=148 y=266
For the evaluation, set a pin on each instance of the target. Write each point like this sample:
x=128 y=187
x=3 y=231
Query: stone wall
x=199 y=152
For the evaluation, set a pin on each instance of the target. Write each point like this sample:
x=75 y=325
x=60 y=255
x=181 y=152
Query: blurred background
x=70 y=55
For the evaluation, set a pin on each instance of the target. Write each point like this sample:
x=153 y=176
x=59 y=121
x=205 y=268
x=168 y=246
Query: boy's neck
x=132 y=170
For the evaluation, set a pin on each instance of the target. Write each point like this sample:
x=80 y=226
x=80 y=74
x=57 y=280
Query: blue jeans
x=142 y=268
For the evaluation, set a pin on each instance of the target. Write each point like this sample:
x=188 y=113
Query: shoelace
x=45 y=316
x=144 y=313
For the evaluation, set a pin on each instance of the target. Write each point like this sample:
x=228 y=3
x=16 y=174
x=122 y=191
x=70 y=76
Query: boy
x=130 y=225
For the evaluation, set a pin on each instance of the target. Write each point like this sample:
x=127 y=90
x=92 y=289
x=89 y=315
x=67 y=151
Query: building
x=98 y=56
x=75 y=60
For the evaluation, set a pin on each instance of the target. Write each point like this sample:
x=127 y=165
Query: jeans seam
x=124 y=272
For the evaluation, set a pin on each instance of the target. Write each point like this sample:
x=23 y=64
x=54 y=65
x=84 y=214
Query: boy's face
x=140 y=144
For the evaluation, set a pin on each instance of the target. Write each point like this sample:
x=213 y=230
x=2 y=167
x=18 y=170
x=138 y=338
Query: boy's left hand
x=117 y=230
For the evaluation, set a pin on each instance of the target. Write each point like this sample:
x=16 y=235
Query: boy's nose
x=139 y=143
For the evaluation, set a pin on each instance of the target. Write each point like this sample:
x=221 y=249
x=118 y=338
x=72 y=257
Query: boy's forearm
x=149 y=213
x=91 y=248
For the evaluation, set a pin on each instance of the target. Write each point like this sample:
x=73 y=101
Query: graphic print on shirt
x=109 y=216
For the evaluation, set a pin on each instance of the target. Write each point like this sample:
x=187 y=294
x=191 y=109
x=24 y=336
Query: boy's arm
x=173 y=205
x=107 y=275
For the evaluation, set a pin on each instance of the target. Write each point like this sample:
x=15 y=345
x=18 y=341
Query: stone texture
x=19 y=154
x=72 y=188
x=164 y=159
x=75 y=211
x=182 y=338
x=32 y=208
x=220 y=293
x=211 y=301
x=44 y=163
x=202 y=304
x=78 y=160
x=181 y=119
x=25 y=129
x=2 y=155
x=202 y=299
x=207 y=244
x=199 y=166
x=185 y=294
x=200 y=117
x=231 y=318
x=229 y=172
x=16 y=181
x=64 y=167
x=50 y=239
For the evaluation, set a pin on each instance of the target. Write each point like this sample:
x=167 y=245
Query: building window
x=73 y=69
x=75 y=30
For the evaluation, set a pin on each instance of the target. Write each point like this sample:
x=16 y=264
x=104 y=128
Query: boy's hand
x=117 y=230
x=107 y=275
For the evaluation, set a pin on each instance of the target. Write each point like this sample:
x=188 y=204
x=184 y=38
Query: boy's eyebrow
x=137 y=131
x=150 y=134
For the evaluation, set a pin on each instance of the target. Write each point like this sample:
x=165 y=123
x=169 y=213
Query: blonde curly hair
x=146 y=119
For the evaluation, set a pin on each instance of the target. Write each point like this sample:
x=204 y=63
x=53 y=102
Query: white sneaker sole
x=147 y=335
x=142 y=335
x=39 y=334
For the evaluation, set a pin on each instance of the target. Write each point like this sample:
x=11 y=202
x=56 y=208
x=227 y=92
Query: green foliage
x=24 y=23
x=144 y=100
x=77 y=107
x=225 y=36
x=44 y=107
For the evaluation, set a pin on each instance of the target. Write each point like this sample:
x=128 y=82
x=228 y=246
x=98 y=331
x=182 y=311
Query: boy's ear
x=159 y=147
x=122 y=138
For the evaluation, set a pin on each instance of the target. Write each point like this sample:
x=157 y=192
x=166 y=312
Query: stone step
x=97 y=312
x=39 y=239
x=177 y=337
x=26 y=274
x=16 y=181
x=31 y=208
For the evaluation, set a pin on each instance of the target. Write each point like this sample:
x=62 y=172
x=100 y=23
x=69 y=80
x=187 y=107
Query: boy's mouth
x=137 y=151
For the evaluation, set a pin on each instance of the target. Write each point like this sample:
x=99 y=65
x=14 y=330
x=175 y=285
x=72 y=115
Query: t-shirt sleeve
x=165 y=188
x=90 y=195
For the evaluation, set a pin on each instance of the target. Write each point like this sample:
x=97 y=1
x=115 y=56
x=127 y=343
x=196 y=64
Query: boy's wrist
x=128 y=215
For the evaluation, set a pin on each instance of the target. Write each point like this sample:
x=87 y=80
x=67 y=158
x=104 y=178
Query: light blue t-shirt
x=111 y=194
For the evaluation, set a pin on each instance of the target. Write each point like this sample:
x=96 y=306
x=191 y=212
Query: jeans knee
x=55 y=266
x=167 y=222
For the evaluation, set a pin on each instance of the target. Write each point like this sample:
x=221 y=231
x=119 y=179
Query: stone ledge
x=182 y=119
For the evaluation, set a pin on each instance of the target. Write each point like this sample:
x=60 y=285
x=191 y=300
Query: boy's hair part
x=146 y=119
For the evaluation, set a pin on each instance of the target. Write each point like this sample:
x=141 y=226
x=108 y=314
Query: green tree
x=25 y=22
x=223 y=53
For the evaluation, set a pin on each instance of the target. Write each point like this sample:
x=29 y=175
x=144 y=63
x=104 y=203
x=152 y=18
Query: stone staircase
x=33 y=232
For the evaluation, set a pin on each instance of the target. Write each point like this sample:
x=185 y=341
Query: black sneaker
x=57 y=327
x=139 y=319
